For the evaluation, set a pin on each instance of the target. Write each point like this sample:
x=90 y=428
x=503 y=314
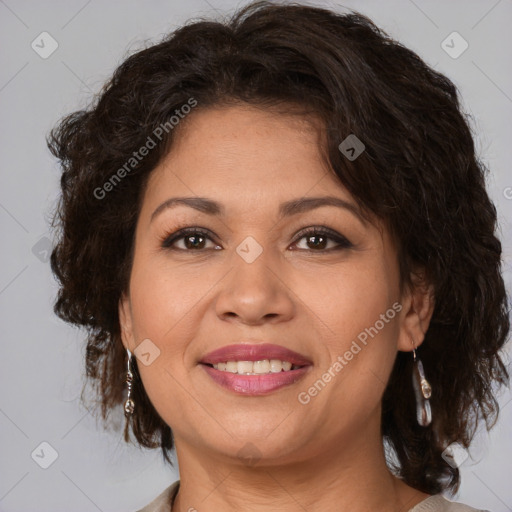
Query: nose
x=255 y=293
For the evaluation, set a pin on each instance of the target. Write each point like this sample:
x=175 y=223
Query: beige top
x=436 y=503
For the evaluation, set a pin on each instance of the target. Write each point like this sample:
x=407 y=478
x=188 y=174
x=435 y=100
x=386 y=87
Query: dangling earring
x=422 y=391
x=129 y=405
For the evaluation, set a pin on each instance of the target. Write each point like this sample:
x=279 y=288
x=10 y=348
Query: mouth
x=262 y=367
x=255 y=369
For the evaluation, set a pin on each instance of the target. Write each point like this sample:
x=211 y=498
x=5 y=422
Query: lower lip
x=255 y=384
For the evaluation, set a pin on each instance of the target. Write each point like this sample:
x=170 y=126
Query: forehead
x=242 y=150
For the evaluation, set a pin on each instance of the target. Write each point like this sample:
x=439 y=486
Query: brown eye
x=317 y=239
x=194 y=239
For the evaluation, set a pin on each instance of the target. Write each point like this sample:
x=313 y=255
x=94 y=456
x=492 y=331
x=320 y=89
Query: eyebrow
x=287 y=209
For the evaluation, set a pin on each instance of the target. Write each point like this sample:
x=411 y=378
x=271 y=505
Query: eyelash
x=343 y=243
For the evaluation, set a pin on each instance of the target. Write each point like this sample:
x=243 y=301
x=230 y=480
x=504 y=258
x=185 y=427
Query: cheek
x=162 y=303
x=163 y=297
x=354 y=308
x=349 y=299
x=169 y=303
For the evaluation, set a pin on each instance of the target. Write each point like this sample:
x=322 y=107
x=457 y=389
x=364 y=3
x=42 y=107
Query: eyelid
x=179 y=233
x=321 y=230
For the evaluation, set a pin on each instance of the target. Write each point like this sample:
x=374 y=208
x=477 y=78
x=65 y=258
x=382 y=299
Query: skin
x=326 y=455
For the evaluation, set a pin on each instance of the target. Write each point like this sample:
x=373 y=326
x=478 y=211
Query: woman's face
x=258 y=276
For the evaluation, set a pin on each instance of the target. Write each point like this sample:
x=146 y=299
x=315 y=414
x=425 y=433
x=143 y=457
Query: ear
x=418 y=307
x=126 y=322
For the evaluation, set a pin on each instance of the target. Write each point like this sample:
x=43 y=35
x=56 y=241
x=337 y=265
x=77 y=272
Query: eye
x=194 y=239
x=319 y=237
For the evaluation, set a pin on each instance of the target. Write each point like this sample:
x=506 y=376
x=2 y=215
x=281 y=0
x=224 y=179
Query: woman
x=277 y=233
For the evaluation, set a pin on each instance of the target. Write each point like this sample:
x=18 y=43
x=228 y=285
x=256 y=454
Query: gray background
x=42 y=358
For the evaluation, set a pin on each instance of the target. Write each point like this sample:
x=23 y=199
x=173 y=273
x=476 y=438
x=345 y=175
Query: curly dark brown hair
x=419 y=174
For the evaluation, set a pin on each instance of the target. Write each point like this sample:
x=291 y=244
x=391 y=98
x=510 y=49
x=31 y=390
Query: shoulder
x=439 y=503
x=162 y=503
x=436 y=503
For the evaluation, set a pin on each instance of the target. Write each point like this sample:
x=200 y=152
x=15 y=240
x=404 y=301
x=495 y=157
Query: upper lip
x=254 y=352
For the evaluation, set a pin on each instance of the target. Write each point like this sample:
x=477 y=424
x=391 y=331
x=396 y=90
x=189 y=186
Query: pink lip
x=255 y=384
x=252 y=352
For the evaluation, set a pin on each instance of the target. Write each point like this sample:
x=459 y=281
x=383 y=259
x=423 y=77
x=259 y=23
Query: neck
x=347 y=476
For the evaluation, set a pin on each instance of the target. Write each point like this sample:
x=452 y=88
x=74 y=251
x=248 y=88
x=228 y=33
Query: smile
x=256 y=367
x=254 y=383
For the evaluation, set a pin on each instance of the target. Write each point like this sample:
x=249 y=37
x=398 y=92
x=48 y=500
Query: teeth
x=275 y=365
x=232 y=367
x=262 y=367
x=286 y=366
x=245 y=366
